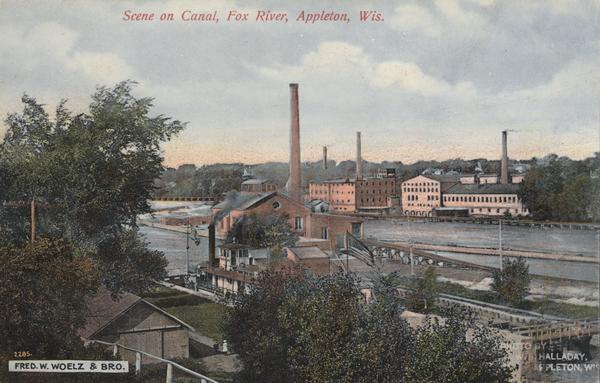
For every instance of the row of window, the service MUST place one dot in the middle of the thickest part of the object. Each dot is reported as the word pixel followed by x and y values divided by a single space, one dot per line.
pixel 420 190
pixel 421 183
pixel 413 197
pixel 496 199
pixel 378 191
pixel 421 204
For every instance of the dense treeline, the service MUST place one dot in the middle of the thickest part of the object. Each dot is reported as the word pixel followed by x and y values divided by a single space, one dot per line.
pixel 561 189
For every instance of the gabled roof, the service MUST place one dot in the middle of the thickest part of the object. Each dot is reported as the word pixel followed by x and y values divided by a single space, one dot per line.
pixel 309 252
pixel 242 200
pixel 484 189
pixel 103 310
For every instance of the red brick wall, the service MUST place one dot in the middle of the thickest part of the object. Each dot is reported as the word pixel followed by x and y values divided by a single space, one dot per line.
pixel 374 192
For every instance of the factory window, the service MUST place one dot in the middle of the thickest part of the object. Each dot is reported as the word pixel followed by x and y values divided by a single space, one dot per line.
pixel 324 233
pixel 276 205
pixel 299 223
pixel 497 210
pixel 489 210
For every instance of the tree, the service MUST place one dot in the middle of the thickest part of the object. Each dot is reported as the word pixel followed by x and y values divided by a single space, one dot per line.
pixel 574 201
pixel 512 283
pixel 299 327
pixel 456 349
pixel 422 298
pixel 260 231
pixel 252 328
pixel 43 293
pixel 92 174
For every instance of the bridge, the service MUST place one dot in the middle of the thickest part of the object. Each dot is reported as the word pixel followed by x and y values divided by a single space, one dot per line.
pixel 404 253
pixel 566 329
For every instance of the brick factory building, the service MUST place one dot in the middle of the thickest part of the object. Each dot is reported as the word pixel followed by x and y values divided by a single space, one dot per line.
pixel 339 194
pixel 486 199
pixel 321 227
pixel 421 195
pixel 350 196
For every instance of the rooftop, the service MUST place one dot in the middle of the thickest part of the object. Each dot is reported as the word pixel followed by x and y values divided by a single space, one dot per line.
pixel 242 200
pixel 257 181
pixel 104 310
pixel 484 189
pixel 310 252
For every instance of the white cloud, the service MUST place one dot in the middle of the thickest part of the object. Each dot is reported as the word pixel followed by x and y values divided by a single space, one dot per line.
pixel 52 42
pixel 345 63
pixel 415 18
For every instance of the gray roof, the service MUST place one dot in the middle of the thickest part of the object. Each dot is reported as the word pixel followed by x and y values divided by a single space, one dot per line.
pixel 242 200
pixel 445 177
pixel 484 189
pixel 312 252
pixel 337 181
pixel 104 310
pixel 257 181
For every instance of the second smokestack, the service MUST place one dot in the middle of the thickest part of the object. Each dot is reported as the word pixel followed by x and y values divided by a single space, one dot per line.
pixel 324 157
pixel 359 163
pixel 504 161
pixel 295 181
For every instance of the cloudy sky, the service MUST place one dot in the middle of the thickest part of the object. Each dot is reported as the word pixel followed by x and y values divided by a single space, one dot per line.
pixel 433 80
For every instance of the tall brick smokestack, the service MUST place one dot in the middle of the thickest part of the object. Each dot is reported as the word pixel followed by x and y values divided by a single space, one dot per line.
pixel 504 162
pixel 324 157
pixel 295 180
pixel 359 163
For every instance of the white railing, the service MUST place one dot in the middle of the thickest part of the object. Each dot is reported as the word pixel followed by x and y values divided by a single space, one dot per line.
pixel 138 362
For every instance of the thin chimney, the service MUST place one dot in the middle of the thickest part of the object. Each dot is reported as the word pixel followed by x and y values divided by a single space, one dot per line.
pixel 295 181
pixel 212 245
pixel 359 163
pixel 504 161
pixel 325 157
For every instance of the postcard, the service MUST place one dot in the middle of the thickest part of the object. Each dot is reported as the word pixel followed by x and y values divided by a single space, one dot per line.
pixel 282 191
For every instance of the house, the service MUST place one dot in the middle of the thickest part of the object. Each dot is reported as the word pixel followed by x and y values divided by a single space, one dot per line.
pixel 235 267
pixel 136 323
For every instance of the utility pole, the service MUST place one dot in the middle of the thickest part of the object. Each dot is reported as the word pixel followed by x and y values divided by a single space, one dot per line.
pixel 347 240
pixel 187 248
pixel 32 220
pixel 500 240
pixel 410 244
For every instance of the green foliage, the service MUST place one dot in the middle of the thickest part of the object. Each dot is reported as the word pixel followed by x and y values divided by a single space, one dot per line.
pixel 563 189
pixel 512 283
pixel 456 349
pixel 126 263
pixel 91 175
pixel 422 298
pixel 264 231
pixel 43 291
pixel 252 327
pixel 297 327
pixel 207 180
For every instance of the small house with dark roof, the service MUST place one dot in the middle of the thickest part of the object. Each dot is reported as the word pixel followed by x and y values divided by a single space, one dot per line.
pixel 136 323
